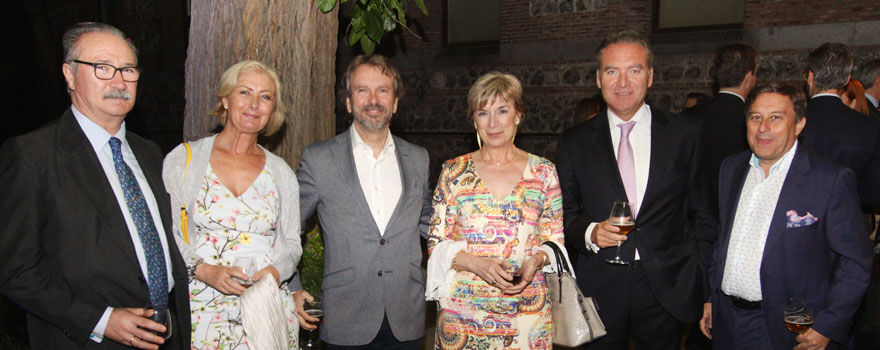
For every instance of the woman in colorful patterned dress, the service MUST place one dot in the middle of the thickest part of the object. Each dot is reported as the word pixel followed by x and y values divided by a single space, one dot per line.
pixel 493 210
pixel 242 202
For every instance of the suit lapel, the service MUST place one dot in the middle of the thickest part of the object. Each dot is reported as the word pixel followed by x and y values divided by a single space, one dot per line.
pixel 738 181
pixel 343 157
pixel 404 163
pixel 659 156
pixel 605 152
pixel 795 185
pixel 85 171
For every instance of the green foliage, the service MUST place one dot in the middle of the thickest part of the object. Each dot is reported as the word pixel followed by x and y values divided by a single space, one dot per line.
pixel 371 19
pixel 312 262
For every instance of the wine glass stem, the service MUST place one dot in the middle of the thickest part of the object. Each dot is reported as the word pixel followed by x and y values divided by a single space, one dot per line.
pixel 618 251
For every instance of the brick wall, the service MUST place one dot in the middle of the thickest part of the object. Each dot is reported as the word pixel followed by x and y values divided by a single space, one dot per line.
pixel 764 13
pixel 549 45
pixel 542 20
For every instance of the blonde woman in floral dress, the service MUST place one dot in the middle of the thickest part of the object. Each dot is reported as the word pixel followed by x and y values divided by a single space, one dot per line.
pixel 493 210
pixel 243 202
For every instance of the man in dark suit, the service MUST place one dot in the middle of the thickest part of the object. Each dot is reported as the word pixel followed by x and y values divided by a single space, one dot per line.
pixel 631 152
pixel 86 241
pixel 790 227
pixel 724 128
pixel 869 76
pixel 836 131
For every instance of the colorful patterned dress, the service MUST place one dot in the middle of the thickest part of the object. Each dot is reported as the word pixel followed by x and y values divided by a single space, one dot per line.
pixel 478 315
pixel 230 227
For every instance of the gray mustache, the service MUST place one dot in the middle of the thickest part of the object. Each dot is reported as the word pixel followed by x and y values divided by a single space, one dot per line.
pixel 125 95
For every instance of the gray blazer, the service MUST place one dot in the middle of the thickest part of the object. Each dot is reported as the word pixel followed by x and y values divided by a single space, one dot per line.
pixel 366 275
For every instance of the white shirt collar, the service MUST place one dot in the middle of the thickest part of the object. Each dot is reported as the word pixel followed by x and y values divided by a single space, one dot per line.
pixel 97 136
pixel 872 100
pixel 825 94
pixel 786 159
pixel 357 141
pixel 732 93
pixel 642 117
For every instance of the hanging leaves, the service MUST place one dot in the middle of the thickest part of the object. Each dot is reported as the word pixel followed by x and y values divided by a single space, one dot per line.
pixel 371 19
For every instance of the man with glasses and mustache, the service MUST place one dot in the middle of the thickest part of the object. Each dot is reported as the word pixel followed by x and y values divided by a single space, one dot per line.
pixel 371 194
pixel 87 246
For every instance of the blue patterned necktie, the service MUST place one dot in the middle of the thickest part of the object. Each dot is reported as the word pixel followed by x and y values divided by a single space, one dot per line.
pixel 143 220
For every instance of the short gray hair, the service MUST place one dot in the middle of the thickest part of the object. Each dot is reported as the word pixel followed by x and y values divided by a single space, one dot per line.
pixel 831 64
pixel 628 36
pixel 869 72
pixel 75 32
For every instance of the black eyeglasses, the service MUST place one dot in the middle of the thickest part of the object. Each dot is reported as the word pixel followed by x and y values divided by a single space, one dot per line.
pixel 105 71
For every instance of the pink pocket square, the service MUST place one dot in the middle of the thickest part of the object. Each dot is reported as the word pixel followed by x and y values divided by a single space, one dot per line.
pixel 795 220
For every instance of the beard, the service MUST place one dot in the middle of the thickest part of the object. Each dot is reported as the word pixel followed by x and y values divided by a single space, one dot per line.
pixel 372 123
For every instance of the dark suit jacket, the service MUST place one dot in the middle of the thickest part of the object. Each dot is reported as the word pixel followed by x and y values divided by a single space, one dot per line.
pixel 849 138
pixel 67 253
pixel 724 133
pixel 591 182
pixel 828 263
pixel 872 110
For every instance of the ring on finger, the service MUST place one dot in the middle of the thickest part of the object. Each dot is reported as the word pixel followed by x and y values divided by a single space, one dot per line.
pixel 131 341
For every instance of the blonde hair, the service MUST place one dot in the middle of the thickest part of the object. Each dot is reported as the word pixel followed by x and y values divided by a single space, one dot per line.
pixel 229 80
pixel 494 85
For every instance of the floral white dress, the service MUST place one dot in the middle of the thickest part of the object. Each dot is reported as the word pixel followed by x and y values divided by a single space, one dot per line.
pixel 230 227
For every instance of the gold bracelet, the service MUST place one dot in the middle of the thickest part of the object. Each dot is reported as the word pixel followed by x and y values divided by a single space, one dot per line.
pixel 454 264
pixel 543 260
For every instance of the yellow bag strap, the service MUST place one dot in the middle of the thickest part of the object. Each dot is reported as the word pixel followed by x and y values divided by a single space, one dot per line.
pixel 184 218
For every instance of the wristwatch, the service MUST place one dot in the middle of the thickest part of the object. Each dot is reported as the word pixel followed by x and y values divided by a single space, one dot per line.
pixel 191 269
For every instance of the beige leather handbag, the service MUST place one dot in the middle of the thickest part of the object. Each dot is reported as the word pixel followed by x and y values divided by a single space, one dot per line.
pixel 575 317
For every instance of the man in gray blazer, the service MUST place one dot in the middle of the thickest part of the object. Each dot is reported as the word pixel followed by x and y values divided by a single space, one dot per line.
pixel 370 190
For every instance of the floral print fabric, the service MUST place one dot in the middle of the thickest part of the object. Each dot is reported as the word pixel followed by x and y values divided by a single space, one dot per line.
pixel 230 227
pixel 478 315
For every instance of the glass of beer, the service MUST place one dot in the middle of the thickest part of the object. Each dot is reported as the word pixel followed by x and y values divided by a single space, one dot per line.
pixel 622 218
pixel 797 316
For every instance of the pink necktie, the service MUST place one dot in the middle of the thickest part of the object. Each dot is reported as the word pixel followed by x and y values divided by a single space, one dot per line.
pixel 625 163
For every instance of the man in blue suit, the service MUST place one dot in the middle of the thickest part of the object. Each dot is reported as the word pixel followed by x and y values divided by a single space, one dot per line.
pixel 789 227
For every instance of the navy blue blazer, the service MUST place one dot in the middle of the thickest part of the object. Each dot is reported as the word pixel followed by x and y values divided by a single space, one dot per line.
pixel 827 263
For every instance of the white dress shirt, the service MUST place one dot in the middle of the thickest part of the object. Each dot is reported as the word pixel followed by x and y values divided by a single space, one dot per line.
pixel 732 93
pixel 751 225
pixel 379 177
pixel 824 94
pixel 872 101
pixel 640 140
pixel 100 141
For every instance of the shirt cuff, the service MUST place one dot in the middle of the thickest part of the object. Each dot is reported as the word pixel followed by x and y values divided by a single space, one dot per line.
pixel 440 272
pixel 98 333
pixel 590 245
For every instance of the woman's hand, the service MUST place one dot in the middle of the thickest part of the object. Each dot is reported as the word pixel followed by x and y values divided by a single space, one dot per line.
pixel 220 278
pixel 493 271
pixel 529 269
pixel 267 270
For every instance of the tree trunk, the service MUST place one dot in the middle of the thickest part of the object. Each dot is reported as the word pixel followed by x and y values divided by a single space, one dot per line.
pixel 292 36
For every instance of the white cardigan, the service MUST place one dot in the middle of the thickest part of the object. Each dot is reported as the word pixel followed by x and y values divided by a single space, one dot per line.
pixel 287 249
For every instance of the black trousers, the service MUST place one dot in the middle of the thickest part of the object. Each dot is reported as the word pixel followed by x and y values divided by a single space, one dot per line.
pixel 646 322
pixel 384 340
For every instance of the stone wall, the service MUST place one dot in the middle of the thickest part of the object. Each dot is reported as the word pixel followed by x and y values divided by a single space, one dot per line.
pixel 549 45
